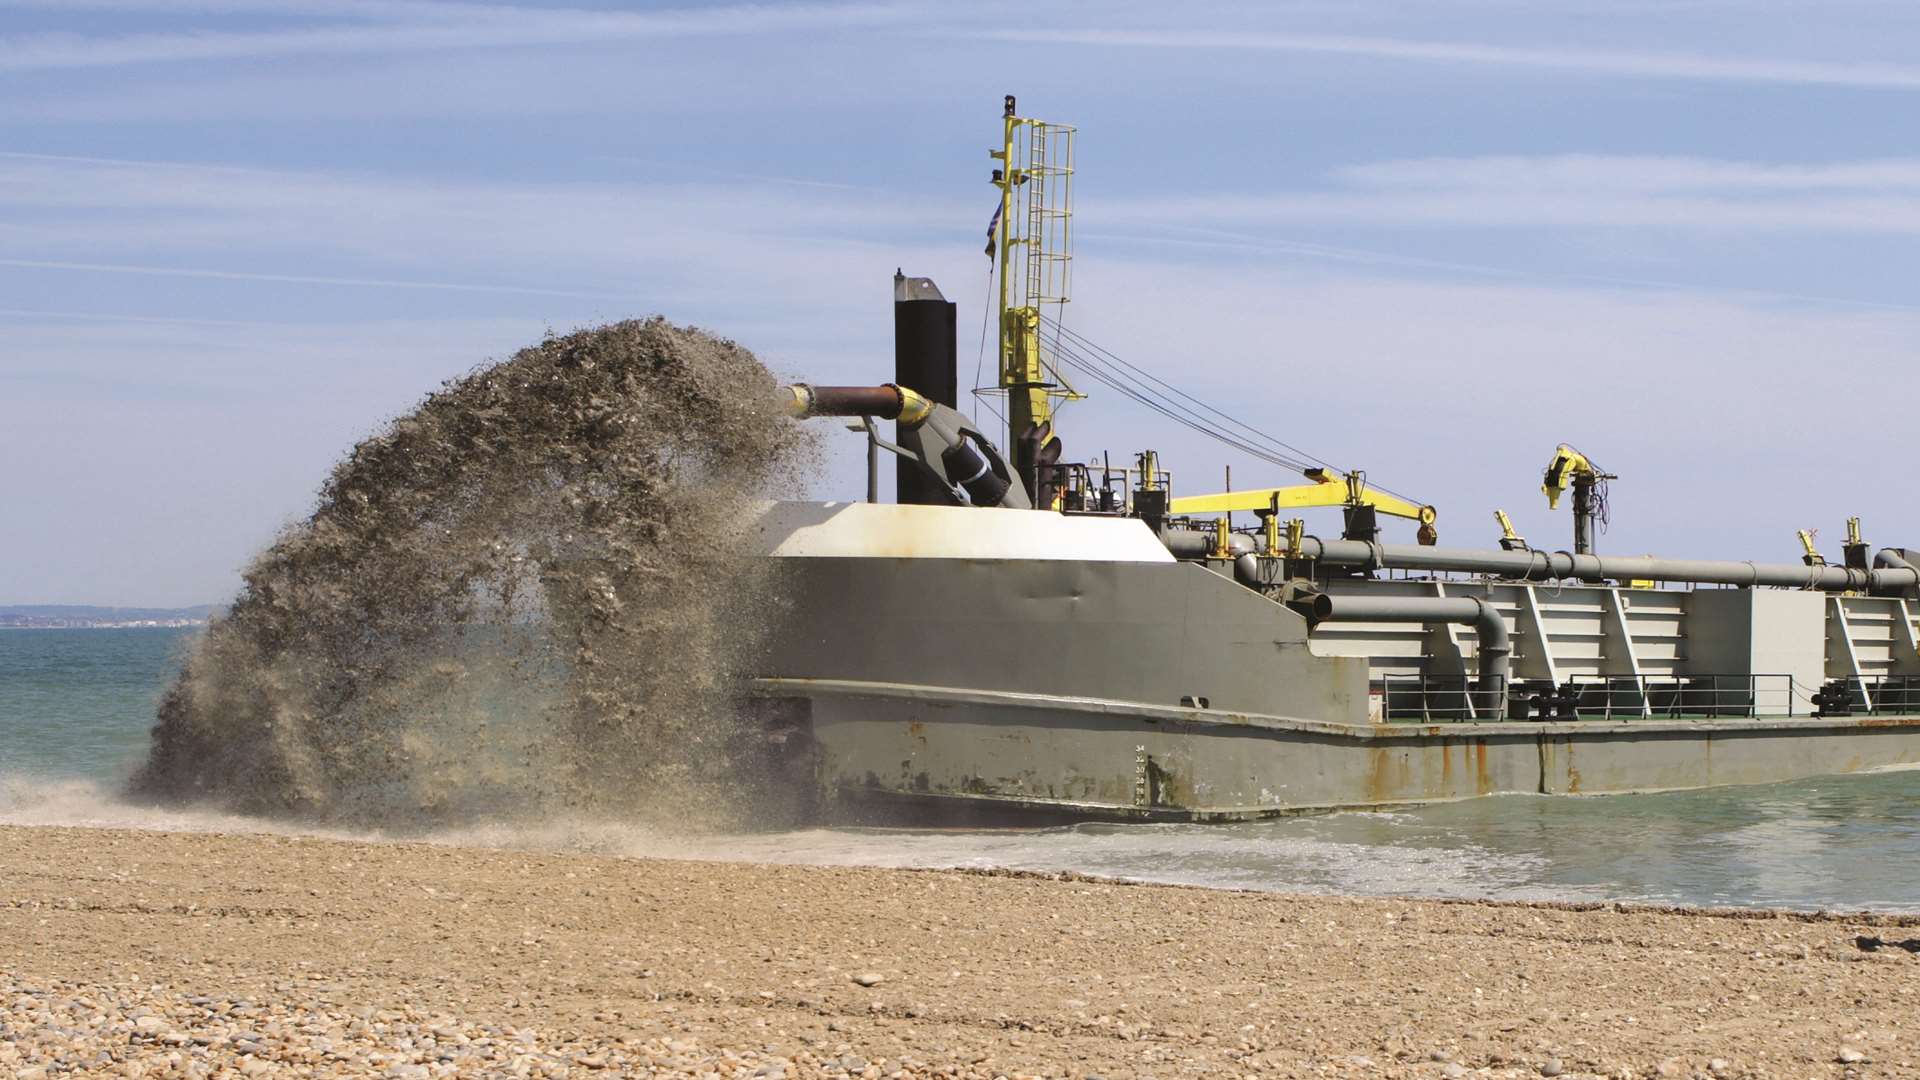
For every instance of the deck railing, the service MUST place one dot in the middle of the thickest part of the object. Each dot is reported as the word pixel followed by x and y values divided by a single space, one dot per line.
pixel 1886 694
pixel 1431 699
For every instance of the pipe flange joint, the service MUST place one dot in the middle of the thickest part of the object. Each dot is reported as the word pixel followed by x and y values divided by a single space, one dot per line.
pixel 914 409
pixel 1376 555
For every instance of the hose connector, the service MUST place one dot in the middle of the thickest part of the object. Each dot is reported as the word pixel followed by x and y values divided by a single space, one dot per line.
pixel 914 409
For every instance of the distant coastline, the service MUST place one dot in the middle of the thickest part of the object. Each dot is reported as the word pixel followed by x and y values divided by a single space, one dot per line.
pixel 93 617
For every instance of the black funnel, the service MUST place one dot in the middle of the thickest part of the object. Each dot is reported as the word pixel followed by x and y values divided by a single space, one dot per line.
pixel 925 359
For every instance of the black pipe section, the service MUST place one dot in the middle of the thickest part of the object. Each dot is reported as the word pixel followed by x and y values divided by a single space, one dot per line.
pixel 1583 484
pixel 925 357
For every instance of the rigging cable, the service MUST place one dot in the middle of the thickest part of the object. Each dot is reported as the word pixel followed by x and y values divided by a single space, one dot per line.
pixel 1112 370
pixel 1199 425
pixel 1246 428
pixel 1118 382
pixel 979 392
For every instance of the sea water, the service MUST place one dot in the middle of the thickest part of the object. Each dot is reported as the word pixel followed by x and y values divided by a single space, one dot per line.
pixel 76 707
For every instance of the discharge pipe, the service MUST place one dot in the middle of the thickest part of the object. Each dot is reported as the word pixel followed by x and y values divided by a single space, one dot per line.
pixel 941 440
pixel 1496 649
pixel 886 401
pixel 1893 575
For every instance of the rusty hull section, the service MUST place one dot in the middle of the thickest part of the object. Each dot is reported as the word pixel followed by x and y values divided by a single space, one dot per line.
pixel 1094 759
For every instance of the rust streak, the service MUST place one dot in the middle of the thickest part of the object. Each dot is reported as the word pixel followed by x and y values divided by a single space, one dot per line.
pixel 1884 721
pixel 1377 766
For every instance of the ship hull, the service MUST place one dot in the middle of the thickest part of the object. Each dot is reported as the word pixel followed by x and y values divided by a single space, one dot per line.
pixel 874 750
pixel 1030 664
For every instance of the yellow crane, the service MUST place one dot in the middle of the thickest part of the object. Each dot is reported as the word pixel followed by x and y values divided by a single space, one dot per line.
pixel 1855 549
pixel 1509 540
pixel 1812 556
pixel 1569 468
pixel 1329 488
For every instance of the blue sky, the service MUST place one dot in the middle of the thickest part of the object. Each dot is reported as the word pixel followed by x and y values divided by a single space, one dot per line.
pixel 1426 239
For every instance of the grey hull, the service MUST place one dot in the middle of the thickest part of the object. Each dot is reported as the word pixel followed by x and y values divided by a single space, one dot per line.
pixel 1093 759
pixel 1032 662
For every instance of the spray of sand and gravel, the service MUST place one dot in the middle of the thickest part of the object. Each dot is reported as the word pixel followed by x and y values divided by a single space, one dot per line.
pixel 522 598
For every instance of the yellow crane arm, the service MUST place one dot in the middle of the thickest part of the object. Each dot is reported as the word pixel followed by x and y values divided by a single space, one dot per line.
pixel 1507 535
pixel 1332 489
pixel 1566 464
pixel 1813 556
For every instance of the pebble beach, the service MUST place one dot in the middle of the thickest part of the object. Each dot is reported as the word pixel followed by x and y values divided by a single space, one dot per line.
pixel 132 953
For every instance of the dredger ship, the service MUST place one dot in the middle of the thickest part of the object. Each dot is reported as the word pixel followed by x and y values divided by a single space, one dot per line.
pixel 1020 634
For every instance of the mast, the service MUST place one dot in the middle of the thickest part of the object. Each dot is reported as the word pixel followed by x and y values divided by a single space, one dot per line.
pixel 1032 247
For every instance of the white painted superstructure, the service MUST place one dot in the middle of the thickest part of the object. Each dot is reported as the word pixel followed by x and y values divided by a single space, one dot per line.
pixel 894 531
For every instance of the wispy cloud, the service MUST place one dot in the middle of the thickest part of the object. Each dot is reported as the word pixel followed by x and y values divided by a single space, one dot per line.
pixel 687 243
pixel 1577 192
pixel 40 314
pixel 387 90
pixel 412 29
pixel 1297 251
pixel 1634 173
pixel 65 195
pixel 575 251
pixel 331 9
pixel 296 279
pixel 332 27
pixel 1624 63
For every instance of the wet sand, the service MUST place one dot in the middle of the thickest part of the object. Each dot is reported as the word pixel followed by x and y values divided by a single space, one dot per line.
pixel 141 953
